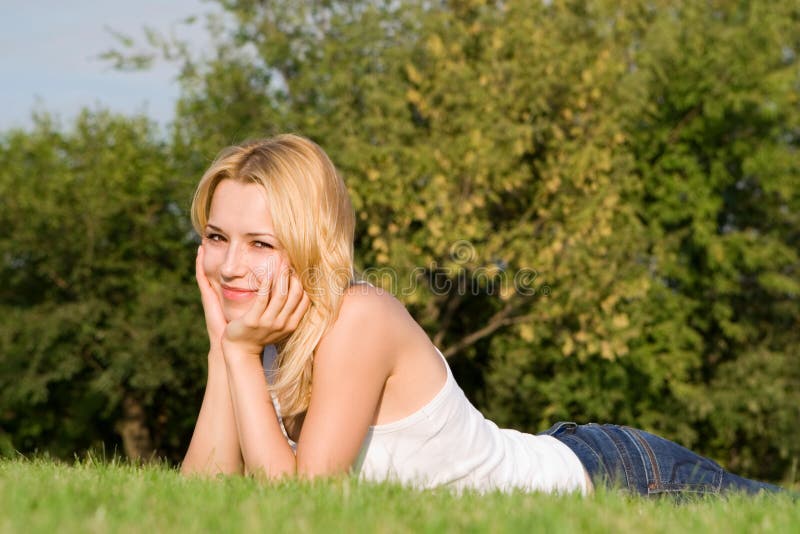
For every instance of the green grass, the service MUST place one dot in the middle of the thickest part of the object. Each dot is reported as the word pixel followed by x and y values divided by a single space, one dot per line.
pixel 93 496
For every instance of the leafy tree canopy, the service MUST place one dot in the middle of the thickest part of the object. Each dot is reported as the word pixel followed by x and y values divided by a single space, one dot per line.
pixel 592 207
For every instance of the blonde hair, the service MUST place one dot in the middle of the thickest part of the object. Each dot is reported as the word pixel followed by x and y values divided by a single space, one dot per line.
pixel 314 222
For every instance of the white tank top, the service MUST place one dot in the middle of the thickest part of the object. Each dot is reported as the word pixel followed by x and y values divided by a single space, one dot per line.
pixel 448 442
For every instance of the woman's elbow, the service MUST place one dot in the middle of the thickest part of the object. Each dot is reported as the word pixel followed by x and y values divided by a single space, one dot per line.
pixel 315 469
pixel 211 469
pixel 270 471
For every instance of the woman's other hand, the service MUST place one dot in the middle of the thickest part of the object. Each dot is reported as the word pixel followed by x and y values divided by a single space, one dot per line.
pixel 212 307
pixel 275 313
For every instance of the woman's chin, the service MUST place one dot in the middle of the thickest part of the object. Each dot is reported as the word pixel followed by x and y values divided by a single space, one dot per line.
pixel 233 312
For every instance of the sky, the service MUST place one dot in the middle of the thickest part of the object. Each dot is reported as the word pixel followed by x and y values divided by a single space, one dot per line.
pixel 49 49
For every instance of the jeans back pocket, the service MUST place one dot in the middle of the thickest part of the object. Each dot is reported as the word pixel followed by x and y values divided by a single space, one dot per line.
pixel 675 468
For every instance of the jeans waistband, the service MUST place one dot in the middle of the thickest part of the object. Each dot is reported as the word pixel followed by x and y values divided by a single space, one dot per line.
pixel 638 461
pixel 565 432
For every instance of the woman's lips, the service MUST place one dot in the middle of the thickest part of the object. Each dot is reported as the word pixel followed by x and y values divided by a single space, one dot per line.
pixel 234 293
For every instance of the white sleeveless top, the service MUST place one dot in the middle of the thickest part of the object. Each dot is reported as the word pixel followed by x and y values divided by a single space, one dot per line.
pixel 448 442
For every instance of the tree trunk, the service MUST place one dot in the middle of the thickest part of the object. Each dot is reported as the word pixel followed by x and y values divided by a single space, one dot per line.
pixel 136 439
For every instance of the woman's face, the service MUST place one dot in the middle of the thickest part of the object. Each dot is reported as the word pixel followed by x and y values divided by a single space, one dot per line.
pixel 239 245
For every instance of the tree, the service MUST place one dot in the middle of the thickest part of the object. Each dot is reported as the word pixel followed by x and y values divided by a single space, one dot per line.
pixel 716 147
pixel 591 207
pixel 102 336
pixel 600 148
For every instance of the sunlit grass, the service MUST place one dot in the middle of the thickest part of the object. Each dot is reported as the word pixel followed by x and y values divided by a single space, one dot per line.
pixel 114 496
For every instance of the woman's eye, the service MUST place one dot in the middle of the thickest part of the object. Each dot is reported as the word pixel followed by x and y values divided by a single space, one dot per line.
pixel 262 244
pixel 214 237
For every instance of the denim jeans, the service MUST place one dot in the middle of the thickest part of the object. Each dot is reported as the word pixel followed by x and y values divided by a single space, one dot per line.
pixel 643 463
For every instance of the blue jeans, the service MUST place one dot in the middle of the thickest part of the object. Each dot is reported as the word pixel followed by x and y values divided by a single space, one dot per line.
pixel 643 463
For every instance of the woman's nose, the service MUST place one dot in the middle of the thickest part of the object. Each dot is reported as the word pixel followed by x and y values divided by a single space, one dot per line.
pixel 234 264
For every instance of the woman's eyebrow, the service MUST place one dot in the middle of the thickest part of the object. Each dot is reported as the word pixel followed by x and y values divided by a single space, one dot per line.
pixel 249 234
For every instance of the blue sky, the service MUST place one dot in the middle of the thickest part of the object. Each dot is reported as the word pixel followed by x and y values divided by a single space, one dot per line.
pixel 49 49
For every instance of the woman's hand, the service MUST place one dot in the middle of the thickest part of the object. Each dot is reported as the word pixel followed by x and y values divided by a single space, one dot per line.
pixel 212 307
pixel 276 312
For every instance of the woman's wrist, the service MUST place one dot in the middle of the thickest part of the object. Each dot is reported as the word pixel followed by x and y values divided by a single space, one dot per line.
pixel 215 354
pixel 234 353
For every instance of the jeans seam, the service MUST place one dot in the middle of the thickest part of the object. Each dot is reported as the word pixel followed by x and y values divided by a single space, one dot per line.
pixel 626 463
pixel 651 455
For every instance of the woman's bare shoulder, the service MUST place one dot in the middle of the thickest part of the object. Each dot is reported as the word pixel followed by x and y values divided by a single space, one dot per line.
pixel 370 320
pixel 364 298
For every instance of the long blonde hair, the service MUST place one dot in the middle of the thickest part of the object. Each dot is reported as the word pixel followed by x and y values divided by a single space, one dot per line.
pixel 314 222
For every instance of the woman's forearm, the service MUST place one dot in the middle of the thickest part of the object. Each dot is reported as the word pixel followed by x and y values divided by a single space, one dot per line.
pixel 214 448
pixel 264 448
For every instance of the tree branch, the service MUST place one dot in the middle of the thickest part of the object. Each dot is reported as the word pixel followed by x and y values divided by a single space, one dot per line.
pixel 497 321
pixel 447 318
pixel 686 119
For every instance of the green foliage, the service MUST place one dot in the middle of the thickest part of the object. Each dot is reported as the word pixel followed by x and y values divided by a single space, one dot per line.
pixel 621 181
pixel 716 146
pixel 99 305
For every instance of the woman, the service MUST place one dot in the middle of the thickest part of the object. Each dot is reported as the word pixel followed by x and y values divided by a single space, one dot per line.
pixel 356 381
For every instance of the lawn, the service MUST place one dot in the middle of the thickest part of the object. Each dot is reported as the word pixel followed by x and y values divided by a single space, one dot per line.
pixel 94 496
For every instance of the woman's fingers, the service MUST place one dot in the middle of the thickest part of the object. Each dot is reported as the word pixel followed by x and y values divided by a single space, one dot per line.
pixel 206 291
pixel 199 272
pixel 276 311
pixel 299 311
pixel 293 299
pixel 263 296
pixel 286 295
pixel 215 318
pixel 280 292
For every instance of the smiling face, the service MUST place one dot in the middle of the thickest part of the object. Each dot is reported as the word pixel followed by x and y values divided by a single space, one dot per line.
pixel 300 191
pixel 239 245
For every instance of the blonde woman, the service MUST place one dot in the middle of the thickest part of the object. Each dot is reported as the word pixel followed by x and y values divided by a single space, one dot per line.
pixel 348 381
